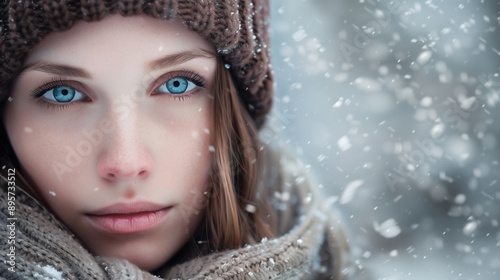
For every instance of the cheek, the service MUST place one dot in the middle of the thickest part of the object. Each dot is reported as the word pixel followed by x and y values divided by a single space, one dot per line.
pixel 186 136
pixel 190 154
pixel 192 208
pixel 42 151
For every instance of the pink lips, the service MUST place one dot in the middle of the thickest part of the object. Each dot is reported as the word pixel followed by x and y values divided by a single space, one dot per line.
pixel 124 218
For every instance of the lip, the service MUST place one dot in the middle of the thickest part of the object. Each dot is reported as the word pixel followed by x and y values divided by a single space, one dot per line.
pixel 127 218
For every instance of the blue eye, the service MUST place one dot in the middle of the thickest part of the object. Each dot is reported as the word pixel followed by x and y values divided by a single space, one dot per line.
pixel 63 94
pixel 177 85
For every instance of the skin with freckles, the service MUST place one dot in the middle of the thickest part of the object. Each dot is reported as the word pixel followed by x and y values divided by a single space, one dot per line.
pixel 112 119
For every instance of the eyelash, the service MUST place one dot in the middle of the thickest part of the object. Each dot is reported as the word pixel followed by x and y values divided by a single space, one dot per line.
pixel 38 93
pixel 52 84
pixel 195 78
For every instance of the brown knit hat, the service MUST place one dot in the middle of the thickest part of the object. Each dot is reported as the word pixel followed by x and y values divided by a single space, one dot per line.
pixel 237 29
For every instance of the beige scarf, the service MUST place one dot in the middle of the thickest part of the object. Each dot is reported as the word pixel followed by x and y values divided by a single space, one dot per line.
pixel 312 246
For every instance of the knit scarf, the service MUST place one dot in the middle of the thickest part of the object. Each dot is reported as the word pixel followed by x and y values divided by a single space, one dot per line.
pixel 36 245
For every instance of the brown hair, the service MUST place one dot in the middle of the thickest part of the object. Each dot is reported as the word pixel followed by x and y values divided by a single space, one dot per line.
pixel 233 216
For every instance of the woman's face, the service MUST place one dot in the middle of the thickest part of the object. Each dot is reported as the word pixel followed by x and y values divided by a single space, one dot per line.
pixel 111 120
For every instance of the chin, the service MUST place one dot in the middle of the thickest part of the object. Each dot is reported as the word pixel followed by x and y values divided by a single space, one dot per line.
pixel 146 264
pixel 144 255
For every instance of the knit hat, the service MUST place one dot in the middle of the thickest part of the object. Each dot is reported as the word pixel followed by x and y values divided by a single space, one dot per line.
pixel 238 30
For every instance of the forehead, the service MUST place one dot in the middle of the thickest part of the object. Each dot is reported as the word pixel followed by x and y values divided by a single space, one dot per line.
pixel 117 38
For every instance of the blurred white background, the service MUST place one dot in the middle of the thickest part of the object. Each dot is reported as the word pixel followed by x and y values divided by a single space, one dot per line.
pixel 393 105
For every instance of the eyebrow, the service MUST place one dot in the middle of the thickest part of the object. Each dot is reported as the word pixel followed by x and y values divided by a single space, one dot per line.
pixel 66 70
pixel 57 69
pixel 178 58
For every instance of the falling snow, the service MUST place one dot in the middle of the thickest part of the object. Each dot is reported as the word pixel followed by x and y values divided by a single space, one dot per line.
pixel 250 208
pixel 470 227
pixel 299 35
pixel 388 229
pixel 400 126
pixel 344 143
pixel 350 191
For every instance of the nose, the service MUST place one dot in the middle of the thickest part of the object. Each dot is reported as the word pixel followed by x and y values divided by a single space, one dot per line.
pixel 125 156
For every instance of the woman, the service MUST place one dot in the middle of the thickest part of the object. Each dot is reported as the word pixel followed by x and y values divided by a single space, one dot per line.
pixel 131 131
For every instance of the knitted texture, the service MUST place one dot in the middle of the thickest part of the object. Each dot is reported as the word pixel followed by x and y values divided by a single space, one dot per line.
pixel 289 257
pixel 238 30
pixel 38 238
pixel 46 250
pixel 311 245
